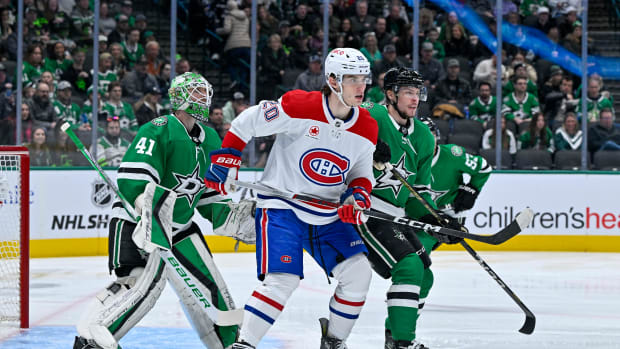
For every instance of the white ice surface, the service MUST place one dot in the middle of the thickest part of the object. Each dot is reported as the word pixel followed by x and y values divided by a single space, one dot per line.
pixel 575 296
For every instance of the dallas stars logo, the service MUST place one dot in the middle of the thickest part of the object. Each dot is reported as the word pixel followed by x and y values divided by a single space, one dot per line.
pixel 386 181
pixel 435 194
pixel 399 235
pixel 188 186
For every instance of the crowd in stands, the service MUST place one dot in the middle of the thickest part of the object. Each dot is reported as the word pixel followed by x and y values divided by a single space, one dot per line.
pixel 540 107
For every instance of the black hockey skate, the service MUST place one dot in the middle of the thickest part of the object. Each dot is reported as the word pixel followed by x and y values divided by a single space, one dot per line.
pixel 83 343
pixel 329 342
pixel 241 345
pixel 391 344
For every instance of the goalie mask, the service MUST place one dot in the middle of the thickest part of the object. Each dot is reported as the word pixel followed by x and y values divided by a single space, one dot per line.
pixel 191 93
pixel 346 61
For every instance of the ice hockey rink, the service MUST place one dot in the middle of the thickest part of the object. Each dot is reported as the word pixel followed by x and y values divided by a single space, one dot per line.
pixel 575 296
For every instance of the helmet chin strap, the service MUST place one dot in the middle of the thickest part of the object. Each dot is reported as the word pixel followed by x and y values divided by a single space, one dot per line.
pixel 339 94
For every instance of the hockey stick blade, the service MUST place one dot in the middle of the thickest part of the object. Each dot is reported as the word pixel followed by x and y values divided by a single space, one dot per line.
pixel 219 317
pixel 514 228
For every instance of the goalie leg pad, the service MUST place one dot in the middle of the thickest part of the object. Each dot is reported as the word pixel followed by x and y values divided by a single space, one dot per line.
pixel 190 249
pixel 154 230
pixel 120 306
pixel 389 243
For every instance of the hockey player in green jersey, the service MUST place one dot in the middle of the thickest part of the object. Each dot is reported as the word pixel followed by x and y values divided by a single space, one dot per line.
pixel 169 154
pixel 457 176
pixel 396 251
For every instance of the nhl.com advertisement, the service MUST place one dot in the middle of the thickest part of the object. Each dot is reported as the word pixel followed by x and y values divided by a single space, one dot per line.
pixel 77 203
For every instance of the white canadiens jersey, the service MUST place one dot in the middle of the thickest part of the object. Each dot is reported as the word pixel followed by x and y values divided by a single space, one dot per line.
pixel 314 153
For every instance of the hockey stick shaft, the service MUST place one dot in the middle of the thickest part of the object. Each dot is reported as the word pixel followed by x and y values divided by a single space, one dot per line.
pixel 220 317
pixel 429 228
pixel 530 318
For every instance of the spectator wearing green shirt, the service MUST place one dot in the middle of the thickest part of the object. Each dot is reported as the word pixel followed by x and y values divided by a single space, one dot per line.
pixel 371 49
pixel 483 107
pixel 376 94
pixel 520 105
pixel 65 109
pixel 117 107
pixel 132 49
pixel 538 136
pixel 596 101
pixel 32 66
pixel 57 63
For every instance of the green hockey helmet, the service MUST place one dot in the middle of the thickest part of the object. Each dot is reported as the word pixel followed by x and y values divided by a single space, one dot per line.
pixel 191 93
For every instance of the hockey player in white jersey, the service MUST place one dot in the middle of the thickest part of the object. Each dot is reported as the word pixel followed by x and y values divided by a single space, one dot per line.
pixel 324 145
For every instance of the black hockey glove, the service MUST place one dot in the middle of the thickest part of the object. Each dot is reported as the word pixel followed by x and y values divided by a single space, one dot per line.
pixel 465 198
pixel 381 155
pixel 447 222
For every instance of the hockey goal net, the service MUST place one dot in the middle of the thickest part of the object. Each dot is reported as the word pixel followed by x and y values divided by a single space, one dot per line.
pixel 14 236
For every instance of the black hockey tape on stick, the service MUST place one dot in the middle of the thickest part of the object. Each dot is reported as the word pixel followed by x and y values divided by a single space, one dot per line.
pixel 530 318
pixel 219 317
pixel 514 228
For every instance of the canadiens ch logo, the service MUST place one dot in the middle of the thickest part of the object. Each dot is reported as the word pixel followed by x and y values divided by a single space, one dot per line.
pixel 324 167
pixel 102 194
pixel 286 259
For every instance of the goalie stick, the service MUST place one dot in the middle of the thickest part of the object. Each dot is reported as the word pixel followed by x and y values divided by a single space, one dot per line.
pixel 530 318
pixel 514 228
pixel 219 317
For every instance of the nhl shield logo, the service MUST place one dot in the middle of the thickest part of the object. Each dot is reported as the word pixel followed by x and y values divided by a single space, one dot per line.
pixel 102 195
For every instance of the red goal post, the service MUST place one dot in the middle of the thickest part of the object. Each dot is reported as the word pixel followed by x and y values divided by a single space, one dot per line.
pixel 14 236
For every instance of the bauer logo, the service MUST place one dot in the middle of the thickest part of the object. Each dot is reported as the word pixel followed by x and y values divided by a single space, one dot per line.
pixel 324 167
pixel 102 194
pixel 286 259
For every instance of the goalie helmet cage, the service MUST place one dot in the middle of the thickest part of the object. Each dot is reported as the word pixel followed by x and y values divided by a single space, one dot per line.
pixel 14 236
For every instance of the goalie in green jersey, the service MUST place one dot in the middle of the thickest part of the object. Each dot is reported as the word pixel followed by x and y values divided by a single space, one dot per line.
pixel 457 176
pixel 397 251
pixel 162 175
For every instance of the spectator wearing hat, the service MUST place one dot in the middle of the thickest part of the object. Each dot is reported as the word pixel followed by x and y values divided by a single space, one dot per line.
pixel 106 23
pixel 77 75
pixel 237 48
pixel 41 107
pixel 137 81
pixel 370 49
pixel 111 147
pixel 565 22
pixel 288 41
pixel 86 113
pixel 529 8
pixel 83 21
pixel 127 10
pixel 234 107
pixel 148 107
pixel 541 21
pixel 486 71
pixel 120 33
pixel 132 49
pixel 312 79
pixel 552 85
pixel 520 70
pixel 117 107
pixel 430 68
pixel 271 64
pixel 572 41
pixel 389 61
pixel 452 89
pixel 64 108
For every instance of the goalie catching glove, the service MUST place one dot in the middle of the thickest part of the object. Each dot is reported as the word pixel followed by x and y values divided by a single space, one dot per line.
pixel 465 198
pixel 224 167
pixel 447 222
pixel 352 202
pixel 240 223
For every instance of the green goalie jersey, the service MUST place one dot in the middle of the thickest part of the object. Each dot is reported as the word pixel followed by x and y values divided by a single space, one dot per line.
pixel 163 152
pixel 450 164
pixel 411 156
